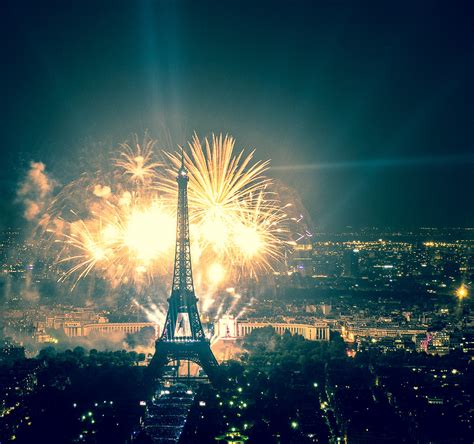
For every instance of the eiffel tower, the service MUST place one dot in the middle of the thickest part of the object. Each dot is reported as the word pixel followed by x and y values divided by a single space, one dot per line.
pixel 183 337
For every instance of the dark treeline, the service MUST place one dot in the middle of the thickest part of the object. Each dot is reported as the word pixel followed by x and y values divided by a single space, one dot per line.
pixel 282 389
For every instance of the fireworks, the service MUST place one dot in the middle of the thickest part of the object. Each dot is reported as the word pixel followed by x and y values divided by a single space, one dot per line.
pixel 215 273
pixel 121 223
pixel 137 160
pixel 236 222
pixel 113 222
pixel 258 233
pixel 90 250
pixel 219 180
pixel 123 241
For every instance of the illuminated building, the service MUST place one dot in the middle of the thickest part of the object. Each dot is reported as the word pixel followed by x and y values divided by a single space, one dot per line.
pixel 351 332
pixel 326 309
pixel 439 344
pixel 74 328
pixel 228 327
pixel 350 264
pixel 44 338
pixel 467 344
pixel 302 259
pixel 233 437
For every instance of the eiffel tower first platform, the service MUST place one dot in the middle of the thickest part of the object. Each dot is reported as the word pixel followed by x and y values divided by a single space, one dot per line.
pixel 183 337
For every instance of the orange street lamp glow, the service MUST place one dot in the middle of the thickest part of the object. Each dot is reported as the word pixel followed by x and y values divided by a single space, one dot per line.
pixel 462 292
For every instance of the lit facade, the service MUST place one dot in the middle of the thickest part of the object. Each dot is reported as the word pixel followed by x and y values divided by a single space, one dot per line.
pixel 350 333
pixel 74 328
pixel 228 327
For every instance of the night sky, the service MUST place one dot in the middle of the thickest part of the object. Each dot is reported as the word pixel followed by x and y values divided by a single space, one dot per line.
pixel 365 107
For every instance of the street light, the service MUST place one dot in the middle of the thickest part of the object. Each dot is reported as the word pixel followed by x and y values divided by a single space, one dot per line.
pixel 461 292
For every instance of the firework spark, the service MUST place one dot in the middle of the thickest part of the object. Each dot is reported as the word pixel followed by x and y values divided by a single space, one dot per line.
pixel 234 218
pixel 137 161
pixel 124 242
pixel 121 223
pixel 114 222
pixel 218 178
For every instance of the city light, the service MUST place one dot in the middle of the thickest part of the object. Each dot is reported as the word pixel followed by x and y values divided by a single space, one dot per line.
pixel 462 292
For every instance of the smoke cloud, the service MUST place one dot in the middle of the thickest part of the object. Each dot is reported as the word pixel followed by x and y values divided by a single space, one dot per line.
pixel 35 191
pixel 102 191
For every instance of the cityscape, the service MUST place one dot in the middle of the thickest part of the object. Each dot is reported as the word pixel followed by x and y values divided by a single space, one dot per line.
pixel 169 274
pixel 385 317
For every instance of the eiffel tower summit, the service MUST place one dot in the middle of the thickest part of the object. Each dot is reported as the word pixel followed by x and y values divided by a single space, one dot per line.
pixel 183 337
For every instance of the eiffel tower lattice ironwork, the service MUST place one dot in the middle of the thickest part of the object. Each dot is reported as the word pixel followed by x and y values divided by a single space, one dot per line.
pixel 183 337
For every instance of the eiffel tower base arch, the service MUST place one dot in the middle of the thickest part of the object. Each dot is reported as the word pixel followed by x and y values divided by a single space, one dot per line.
pixel 198 352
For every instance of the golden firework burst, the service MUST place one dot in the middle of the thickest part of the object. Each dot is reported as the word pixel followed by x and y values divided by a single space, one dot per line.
pixel 122 223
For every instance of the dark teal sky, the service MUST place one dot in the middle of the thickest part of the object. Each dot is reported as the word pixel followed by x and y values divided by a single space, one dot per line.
pixel 365 107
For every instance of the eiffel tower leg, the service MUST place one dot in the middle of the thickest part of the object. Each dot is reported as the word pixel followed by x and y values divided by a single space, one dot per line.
pixel 208 362
pixel 199 353
pixel 155 369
